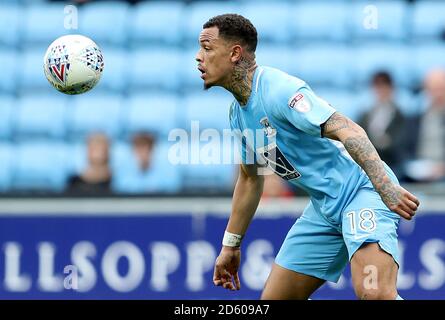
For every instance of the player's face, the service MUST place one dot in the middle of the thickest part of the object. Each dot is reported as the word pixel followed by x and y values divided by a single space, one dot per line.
pixel 214 58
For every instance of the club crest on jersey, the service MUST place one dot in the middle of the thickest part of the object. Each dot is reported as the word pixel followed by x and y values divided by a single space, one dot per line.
pixel 268 129
pixel 299 102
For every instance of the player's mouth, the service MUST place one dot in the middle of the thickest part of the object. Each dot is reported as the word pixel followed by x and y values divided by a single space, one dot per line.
pixel 203 73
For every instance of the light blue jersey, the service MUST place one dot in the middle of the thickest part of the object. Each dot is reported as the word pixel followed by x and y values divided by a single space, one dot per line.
pixel 286 107
pixel 289 115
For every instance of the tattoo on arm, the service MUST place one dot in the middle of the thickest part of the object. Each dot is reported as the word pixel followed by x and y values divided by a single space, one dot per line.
pixel 357 144
pixel 335 123
pixel 364 153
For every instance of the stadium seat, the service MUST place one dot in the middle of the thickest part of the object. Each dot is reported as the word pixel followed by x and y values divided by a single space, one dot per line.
pixel 7 107
pixel 344 101
pixel 207 170
pixel 7 160
pixel 114 77
pixel 40 116
pixel 162 177
pixel 43 23
pixel 319 21
pixel 104 22
pixel 199 12
pixel 77 157
pixel 428 20
pixel 155 68
pixel 156 22
pixel 281 57
pixel 190 75
pixel 271 20
pixel 10 23
pixel 40 166
pixel 9 59
pixel 324 65
pixel 210 109
pixel 426 58
pixel 31 75
pixel 95 113
pixel 379 20
pixel 395 59
pixel 156 113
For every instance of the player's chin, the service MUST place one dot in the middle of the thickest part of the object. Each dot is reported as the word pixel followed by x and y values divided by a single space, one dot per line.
pixel 208 85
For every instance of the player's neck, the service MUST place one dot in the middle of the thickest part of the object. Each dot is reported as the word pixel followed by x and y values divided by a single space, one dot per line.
pixel 240 82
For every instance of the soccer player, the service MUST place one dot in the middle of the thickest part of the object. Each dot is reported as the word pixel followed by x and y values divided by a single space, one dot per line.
pixel 355 198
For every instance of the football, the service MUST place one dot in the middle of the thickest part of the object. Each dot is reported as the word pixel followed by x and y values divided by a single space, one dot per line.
pixel 73 64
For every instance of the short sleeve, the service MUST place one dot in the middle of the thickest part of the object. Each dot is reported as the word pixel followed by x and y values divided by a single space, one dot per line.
pixel 303 109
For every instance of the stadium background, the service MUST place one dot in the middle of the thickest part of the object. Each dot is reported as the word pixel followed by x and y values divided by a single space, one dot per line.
pixel 155 235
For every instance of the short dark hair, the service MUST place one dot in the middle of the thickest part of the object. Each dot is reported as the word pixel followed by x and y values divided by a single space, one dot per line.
pixel 235 27
pixel 382 78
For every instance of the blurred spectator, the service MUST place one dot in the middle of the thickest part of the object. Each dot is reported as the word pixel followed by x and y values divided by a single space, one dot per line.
pixel 96 177
pixel 428 131
pixel 143 150
pixel 145 168
pixel 385 124
pixel 276 187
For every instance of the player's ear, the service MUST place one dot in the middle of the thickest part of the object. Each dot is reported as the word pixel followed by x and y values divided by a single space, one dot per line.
pixel 237 53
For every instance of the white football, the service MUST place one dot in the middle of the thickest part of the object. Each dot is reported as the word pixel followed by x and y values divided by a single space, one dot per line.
pixel 73 64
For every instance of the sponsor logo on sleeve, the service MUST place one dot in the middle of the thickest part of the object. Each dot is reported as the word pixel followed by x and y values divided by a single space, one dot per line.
pixel 299 102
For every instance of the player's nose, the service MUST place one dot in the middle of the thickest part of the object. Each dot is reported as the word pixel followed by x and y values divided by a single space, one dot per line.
pixel 198 56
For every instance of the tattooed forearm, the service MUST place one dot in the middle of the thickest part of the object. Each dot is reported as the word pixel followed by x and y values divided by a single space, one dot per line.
pixel 364 153
pixel 336 123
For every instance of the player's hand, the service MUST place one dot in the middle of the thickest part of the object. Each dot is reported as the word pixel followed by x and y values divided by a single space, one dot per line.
pixel 226 268
pixel 400 201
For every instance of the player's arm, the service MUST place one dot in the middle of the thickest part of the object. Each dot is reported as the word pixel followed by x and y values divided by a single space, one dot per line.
pixel 246 197
pixel 357 143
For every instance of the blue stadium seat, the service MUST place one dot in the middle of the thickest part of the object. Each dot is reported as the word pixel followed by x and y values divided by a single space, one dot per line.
pixel 271 20
pixel 95 113
pixel 155 68
pixel 9 59
pixel 7 160
pixel 10 25
pixel 210 108
pixel 156 113
pixel 40 166
pixel 114 76
pixel 319 20
pixel 40 116
pixel 31 76
pixel 159 22
pixel 280 57
pixel 7 106
pixel 104 22
pixel 190 75
pixel 428 20
pixel 77 157
pixel 162 177
pixel 395 59
pixel 426 58
pixel 344 101
pixel 324 65
pixel 43 23
pixel 199 12
pixel 209 172
pixel 379 20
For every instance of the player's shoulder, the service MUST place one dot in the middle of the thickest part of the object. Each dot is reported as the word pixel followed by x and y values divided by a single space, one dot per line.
pixel 274 78
pixel 276 86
